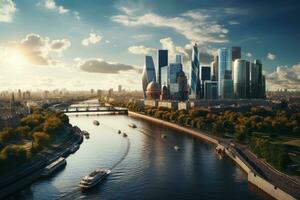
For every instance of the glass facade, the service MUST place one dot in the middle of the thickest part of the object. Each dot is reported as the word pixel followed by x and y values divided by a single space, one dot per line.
pixel 194 73
pixel 162 62
pixel 165 76
pixel 224 72
pixel 210 89
pixel 236 53
pixel 205 73
pixel 241 79
pixel 178 58
pixel 148 73
pixel 174 69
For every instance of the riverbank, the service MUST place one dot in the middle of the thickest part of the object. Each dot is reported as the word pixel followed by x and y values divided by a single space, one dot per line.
pixel 267 179
pixel 29 172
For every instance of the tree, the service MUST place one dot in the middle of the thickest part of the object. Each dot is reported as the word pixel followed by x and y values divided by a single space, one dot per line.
pixel 52 125
pixel 41 139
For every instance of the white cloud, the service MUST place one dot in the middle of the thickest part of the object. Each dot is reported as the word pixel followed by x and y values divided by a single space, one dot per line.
pixel 77 15
pixel 142 37
pixel 284 77
pixel 141 50
pixel 7 9
pixel 271 56
pixel 92 39
pixel 38 49
pixel 51 5
pixel 195 25
pixel 233 22
pixel 249 54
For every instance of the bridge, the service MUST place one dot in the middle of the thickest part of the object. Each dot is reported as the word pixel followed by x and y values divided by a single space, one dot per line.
pixel 95 108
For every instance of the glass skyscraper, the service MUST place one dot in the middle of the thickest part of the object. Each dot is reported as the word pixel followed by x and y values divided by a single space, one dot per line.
pixel 225 82
pixel 148 73
pixel 165 76
pixel 241 79
pixel 194 73
pixel 178 58
pixel 162 56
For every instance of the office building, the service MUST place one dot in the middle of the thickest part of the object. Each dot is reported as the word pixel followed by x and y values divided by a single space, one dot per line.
pixel 257 89
pixel 210 89
pixel 236 53
pixel 241 79
pixel 178 58
pixel 162 56
pixel 182 86
pixel 165 76
pixel 119 88
pixel 205 73
pixel 214 68
pixel 174 69
pixel 224 74
pixel 148 74
pixel 194 73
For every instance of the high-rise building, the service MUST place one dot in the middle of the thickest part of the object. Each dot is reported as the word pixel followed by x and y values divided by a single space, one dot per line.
pixel 236 53
pixel 214 68
pixel 92 92
pixel 263 87
pixel 178 58
pixel 165 76
pixel 162 61
pixel 19 94
pixel 183 91
pixel 148 74
pixel 241 79
pixel 257 92
pixel 194 73
pixel 174 69
pixel 210 89
pixel 119 88
pixel 205 73
pixel 225 82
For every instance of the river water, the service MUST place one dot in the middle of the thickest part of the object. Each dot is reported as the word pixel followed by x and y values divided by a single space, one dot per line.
pixel 145 166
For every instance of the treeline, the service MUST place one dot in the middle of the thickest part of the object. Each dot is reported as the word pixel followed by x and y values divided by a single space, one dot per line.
pixel 35 132
pixel 247 127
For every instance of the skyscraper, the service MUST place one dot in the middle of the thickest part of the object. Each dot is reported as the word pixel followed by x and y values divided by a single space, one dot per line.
pixel 214 68
pixel 162 61
pixel 165 76
pixel 241 79
pixel 205 73
pixel 148 74
pixel 225 82
pixel 194 73
pixel 210 89
pixel 254 82
pixel 258 91
pixel 182 86
pixel 236 53
pixel 178 58
pixel 119 88
pixel 174 69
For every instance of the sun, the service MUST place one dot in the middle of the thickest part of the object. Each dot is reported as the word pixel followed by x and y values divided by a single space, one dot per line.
pixel 15 57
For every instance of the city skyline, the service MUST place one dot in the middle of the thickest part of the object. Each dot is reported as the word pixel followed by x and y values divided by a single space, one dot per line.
pixel 102 47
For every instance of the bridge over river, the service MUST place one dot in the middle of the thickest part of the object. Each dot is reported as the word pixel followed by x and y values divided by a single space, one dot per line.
pixel 94 108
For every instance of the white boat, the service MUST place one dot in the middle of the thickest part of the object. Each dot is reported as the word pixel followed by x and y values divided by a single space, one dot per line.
pixel 93 178
pixel 74 148
pixel 132 125
pixel 177 148
pixel 55 165
pixel 96 122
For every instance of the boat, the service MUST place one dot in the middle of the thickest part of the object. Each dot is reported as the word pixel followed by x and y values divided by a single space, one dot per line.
pixel 119 132
pixel 124 135
pixel 74 148
pixel 132 125
pixel 87 137
pixel 96 122
pixel 177 148
pixel 163 136
pixel 93 178
pixel 54 166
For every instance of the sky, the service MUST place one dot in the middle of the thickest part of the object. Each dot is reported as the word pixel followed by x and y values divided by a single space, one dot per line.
pixel 100 44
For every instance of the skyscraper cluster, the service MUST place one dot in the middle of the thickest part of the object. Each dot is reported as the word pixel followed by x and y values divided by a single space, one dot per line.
pixel 227 77
pixel 171 79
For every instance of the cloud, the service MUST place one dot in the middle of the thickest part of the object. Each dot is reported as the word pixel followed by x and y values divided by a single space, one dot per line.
pixel 249 54
pixel 142 37
pixel 7 9
pixel 77 15
pixel 194 25
pixel 51 5
pixel 92 39
pixel 233 22
pixel 95 65
pixel 271 56
pixel 141 50
pixel 284 77
pixel 37 49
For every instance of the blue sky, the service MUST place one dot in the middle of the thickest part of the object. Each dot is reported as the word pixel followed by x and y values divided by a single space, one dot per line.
pixel 82 44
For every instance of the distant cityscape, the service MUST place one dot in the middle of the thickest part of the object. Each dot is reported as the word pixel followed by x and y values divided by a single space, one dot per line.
pixel 228 77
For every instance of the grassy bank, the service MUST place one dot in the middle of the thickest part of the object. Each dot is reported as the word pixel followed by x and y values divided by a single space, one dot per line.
pixel 35 132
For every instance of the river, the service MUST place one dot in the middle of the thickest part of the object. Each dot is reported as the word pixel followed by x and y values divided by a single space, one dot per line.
pixel 146 166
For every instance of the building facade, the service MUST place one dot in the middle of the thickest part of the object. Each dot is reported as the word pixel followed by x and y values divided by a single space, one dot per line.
pixel 225 87
pixel 241 79
pixel 194 73
pixel 148 74
pixel 162 61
